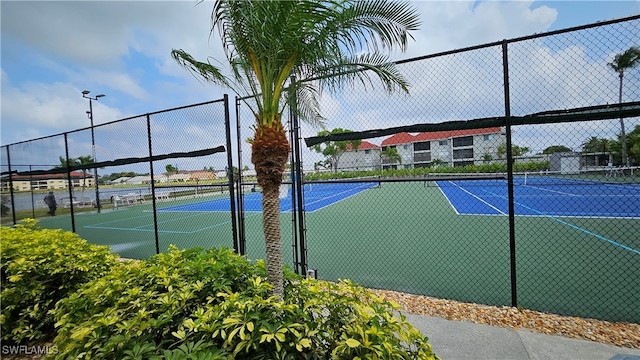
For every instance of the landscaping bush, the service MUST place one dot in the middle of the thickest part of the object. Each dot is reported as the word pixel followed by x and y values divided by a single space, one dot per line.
pixel 500 167
pixel 214 304
pixel 40 267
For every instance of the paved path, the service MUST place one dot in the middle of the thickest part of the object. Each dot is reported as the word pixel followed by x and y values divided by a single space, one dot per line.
pixel 461 340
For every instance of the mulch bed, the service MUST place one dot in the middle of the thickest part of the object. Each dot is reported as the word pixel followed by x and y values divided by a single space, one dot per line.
pixel 613 333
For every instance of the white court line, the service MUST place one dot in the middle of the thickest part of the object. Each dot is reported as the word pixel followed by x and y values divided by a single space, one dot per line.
pixel 553 191
pixel 478 198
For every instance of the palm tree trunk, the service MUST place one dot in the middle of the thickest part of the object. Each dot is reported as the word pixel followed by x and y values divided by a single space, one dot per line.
pixel 272 236
pixel 623 135
pixel 269 154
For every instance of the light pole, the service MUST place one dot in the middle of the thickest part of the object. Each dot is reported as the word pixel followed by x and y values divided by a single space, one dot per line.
pixel 85 94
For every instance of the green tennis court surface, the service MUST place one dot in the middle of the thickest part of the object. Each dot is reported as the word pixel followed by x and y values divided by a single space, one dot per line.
pixel 408 237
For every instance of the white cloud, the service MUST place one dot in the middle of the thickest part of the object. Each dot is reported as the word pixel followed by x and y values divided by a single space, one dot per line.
pixel 39 108
pixel 450 25
pixel 92 44
pixel 120 81
pixel 102 32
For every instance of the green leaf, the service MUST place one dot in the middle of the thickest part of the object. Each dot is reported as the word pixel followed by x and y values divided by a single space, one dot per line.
pixel 81 333
pixel 180 334
pixel 352 343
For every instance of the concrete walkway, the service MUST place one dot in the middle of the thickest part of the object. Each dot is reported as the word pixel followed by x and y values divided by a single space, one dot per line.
pixel 461 340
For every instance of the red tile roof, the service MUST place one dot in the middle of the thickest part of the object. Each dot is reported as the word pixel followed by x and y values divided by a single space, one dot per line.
pixel 364 145
pixel 399 138
pixel 439 135
pixel 406 138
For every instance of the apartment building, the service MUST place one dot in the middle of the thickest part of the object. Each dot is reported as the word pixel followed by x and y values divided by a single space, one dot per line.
pixel 365 157
pixel 47 181
pixel 452 148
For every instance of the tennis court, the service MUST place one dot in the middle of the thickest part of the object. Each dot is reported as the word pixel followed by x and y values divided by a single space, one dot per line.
pixel 441 240
pixel 317 196
pixel 545 196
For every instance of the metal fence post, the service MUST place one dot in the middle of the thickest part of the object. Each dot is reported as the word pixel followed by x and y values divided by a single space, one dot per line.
pixel 299 189
pixel 512 232
pixel 227 126
pixel 153 187
pixel 69 182
pixel 242 239
pixel 294 217
pixel 33 207
pixel 13 204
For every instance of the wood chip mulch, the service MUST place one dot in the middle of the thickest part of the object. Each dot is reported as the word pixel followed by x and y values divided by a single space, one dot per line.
pixel 613 333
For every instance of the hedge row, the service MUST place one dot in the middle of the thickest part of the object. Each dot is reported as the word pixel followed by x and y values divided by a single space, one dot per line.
pixel 187 304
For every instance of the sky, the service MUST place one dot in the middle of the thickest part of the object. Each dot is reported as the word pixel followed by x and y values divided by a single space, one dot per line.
pixel 53 50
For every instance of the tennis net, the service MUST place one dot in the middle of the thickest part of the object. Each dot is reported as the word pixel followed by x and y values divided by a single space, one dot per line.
pixel 582 177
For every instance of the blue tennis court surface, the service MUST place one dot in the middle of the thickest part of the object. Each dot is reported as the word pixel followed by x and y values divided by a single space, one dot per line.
pixel 489 197
pixel 316 196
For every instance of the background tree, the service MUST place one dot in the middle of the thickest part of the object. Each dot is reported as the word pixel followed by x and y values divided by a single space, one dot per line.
pixel 333 150
pixel 267 43
pixel 171 169
pixel 324 164
pixel 84 160
pixel 626 60
pixel 595 144
pixel 633 143
pixel 556 149
pixel 515 150
pixel 437 162
pixel 391 155
pixel 64 163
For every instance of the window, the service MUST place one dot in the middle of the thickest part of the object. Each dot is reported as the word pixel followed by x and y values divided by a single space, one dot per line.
pixel 463 141
pixel 488 137
pixel 443 142
pixel 419 146
pixel 422 157
pixel 463 154
pixel 368 151
pixel 406 147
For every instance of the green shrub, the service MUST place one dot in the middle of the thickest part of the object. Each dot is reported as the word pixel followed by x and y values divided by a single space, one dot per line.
pixel 214 304
pixel 40 267
pixel 496 167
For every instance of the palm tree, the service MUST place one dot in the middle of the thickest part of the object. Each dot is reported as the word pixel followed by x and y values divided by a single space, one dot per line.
pixel 85 160
pixel 626 60
pixel 64 163
pixel 324 44
pixel 595 144
pixel 391 155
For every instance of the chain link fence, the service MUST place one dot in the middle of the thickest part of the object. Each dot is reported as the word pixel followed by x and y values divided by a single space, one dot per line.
pixel 451 211
pixel 147 167
pixel 499 180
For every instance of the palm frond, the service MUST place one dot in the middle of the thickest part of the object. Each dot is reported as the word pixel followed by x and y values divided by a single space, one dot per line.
pixel 339 42
pixel 206 71
pixel 363 68
pixel 307 104
pixel 626 60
